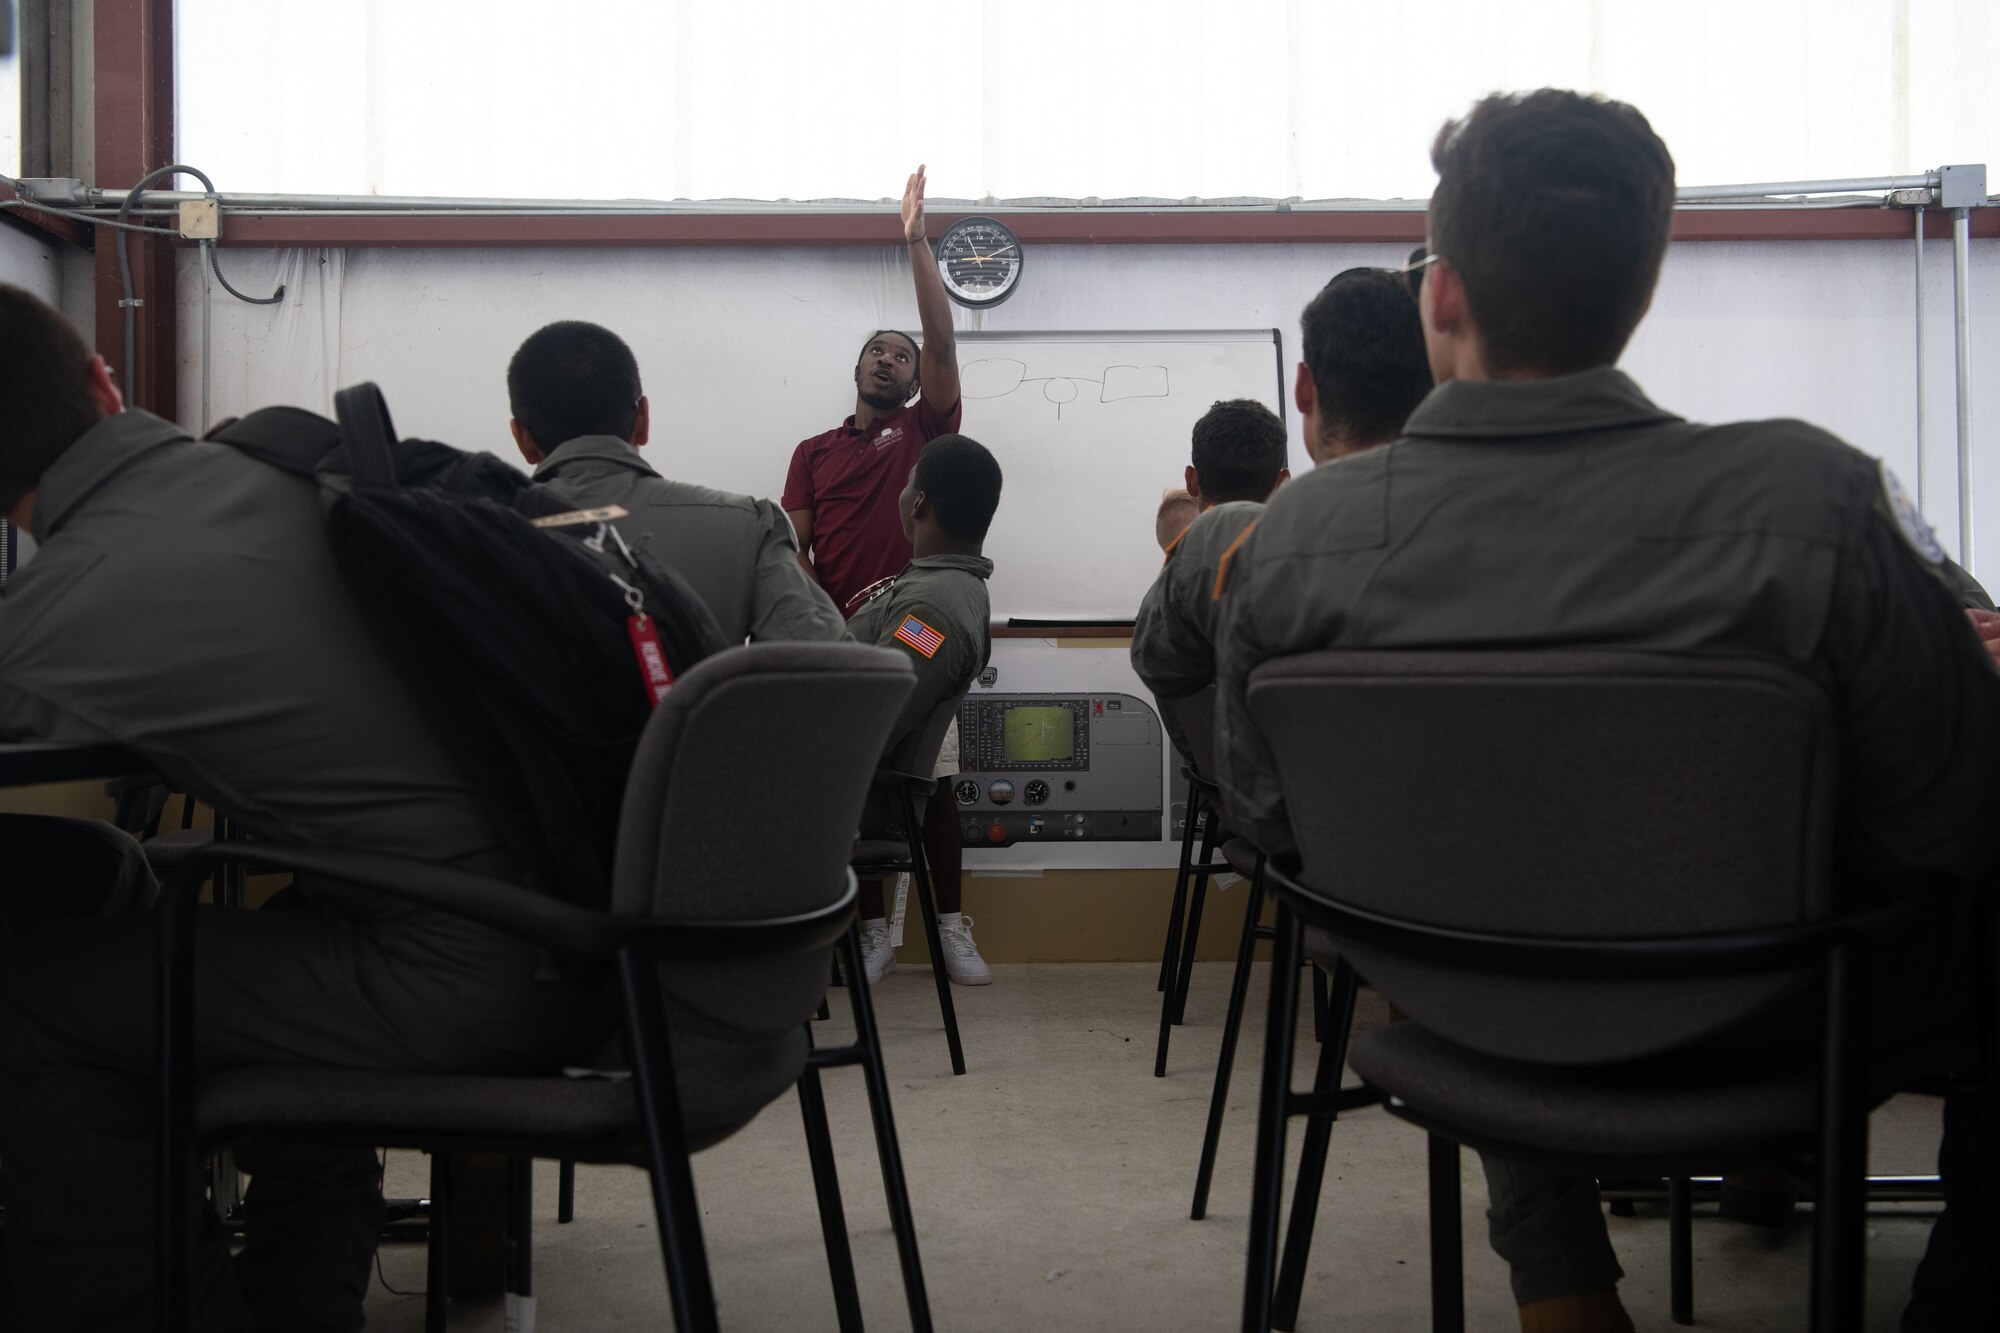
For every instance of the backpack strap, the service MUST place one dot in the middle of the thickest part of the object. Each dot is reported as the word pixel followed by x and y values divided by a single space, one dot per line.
pixel 290 439
pixel 365 426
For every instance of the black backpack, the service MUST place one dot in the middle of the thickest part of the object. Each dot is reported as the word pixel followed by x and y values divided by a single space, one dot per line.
pixel 536 640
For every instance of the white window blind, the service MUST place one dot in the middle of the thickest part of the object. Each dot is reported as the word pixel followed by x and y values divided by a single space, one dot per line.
pixel 1013 99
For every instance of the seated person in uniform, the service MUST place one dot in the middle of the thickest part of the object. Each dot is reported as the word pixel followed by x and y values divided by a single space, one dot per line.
pixel 1239 459
pixel 184 602
pixel 1364 370
pixel 1177 510
pixel 936 611
pixel 1538 498
pixel 580 419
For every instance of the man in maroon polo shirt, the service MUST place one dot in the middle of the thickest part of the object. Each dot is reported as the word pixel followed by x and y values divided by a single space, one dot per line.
pixel 841 494
pixel 842 488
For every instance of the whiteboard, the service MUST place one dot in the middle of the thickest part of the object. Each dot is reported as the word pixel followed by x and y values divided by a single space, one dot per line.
pixel 1089 428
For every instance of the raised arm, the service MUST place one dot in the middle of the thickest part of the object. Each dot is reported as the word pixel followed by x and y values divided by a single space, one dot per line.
pixel 937 367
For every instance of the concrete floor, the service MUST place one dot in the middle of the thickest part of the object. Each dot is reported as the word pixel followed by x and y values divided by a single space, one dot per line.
pixel 1051 1187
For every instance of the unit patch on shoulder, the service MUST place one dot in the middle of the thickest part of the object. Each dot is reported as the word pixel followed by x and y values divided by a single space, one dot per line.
pixel 919 636
pixel 1910 519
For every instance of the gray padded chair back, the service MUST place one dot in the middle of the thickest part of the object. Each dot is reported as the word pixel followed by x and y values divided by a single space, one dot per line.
pixel 1191 722
pixel 743 803
pixel 1581 794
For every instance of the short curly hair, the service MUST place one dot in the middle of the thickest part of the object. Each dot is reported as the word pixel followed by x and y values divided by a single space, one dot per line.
pixel 1239 450
pixel 1554 209
pixel 961 479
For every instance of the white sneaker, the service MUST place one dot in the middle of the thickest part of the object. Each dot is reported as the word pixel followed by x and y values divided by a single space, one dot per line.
pixel 878 960
pixel 962 962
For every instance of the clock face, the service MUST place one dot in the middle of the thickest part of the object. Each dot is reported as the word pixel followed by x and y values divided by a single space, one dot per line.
pixel 980 261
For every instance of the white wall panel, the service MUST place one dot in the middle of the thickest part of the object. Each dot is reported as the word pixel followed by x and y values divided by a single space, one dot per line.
pixel 747 351
pixel 29 262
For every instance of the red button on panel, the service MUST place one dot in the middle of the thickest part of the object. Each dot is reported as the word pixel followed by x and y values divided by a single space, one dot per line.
pixel 998 832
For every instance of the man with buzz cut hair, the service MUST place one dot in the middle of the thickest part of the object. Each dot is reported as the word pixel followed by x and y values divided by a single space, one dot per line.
pixel 936 612
pixel 1238 461
pixel 580 419
pixel 1538 499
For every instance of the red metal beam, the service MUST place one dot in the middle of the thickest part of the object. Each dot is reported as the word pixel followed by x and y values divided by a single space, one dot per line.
pixel 133 89
pixel 1056 227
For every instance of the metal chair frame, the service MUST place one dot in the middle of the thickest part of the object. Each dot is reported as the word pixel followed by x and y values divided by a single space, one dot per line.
pixel 634 947
pixel 1838 945
pixel 905 789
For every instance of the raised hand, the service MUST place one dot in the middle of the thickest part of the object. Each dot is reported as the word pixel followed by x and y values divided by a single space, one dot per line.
pixel 913 207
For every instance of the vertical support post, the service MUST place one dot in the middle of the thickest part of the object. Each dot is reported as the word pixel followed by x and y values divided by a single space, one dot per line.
pixel 133 91
pixel 1918 211
pixel 1961 290
pixel 203 253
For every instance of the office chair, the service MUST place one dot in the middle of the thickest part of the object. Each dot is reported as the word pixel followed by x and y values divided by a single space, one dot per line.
pixel 900 788
pixel 718 932
pixel 1579 873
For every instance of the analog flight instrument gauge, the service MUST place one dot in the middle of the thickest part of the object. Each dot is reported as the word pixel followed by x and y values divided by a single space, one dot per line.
pixel 967 791
pixel 980 262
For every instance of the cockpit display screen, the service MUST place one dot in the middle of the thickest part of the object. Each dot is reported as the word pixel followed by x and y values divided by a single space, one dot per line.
pixel 1036 734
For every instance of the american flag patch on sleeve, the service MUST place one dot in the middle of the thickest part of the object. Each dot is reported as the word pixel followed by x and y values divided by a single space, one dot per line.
pixel 919 636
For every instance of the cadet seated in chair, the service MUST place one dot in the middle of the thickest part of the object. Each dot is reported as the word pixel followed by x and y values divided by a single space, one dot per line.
pixel 1538 498
pixel 185 602
pixel 937 612
pixel 1364 370
pixel 580 419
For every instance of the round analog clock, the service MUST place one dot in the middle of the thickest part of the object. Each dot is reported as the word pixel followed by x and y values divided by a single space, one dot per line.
pixel 980 261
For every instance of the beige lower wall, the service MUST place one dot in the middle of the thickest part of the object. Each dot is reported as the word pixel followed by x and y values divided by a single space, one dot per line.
pixel 72 800
pixel 1085 916
pixel 1063 916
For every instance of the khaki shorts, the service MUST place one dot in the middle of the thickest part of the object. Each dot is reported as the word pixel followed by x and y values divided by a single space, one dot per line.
pixel 947 760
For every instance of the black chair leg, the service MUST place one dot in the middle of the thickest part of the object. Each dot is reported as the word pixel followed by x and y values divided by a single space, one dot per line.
pixel 1447 1250
pixel 565 1191
pixel 1839 1207
pixel 675 1208
pixel 1225 1060
pixel 921 873
pixel 1321 999
pixel 520 1238
pixel 1342 988
pixel 1191 938
pixel 1267 1177
pixel 1680 1249
pixel 437 1265
pixel 1175 1000
pixel 826 1190
pixel 1173 946
pixel 901 1220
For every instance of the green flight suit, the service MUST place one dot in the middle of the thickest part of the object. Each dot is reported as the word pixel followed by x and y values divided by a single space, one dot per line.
pixel 739 553
pixel 938 613
pixel 183 602
pixel 1173 638
pixel 1574 512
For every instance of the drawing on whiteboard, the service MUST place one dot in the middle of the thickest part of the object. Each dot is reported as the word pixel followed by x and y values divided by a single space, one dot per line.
pixel 997 377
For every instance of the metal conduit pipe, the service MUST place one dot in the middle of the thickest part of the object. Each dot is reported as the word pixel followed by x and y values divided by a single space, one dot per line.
pixel 1961 290
pixel 1857 185
pixel 1919 211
